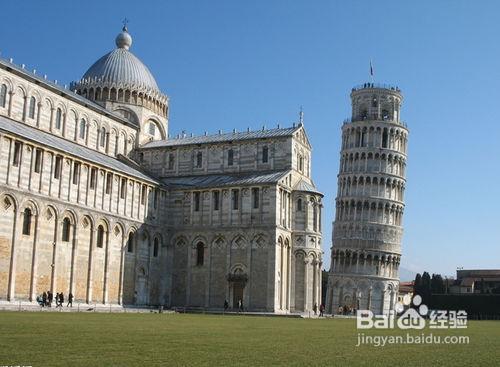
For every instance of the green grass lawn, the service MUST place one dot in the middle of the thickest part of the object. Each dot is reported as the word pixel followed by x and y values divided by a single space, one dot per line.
pixel 93 339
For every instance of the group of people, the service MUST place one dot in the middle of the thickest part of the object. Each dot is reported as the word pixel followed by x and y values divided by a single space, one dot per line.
pixel 347 310
pixel 46 299
pixel 321 309
pixel 240 305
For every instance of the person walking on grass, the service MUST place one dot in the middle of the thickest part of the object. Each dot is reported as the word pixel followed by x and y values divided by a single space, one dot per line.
pixel 321 310
pixel 61 299
pixel 315 308
pixel 44 299
pixel 70 300
pixel 226 305
pixel 50 297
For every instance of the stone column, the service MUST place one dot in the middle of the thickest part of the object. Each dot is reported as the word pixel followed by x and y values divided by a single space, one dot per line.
pixel 105 289
pixel 91 252
pixel 33 259
pixel 73 259
pixel 122 267
pixel 306 293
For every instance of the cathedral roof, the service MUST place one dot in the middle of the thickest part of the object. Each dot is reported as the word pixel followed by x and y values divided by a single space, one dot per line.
pixel 219 138
pixel 63 145
pixel 202 181
pixel 121 68
pixel 302 185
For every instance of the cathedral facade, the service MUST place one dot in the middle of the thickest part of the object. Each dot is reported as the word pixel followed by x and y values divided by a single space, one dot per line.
pixel 96 199
pixel 368 225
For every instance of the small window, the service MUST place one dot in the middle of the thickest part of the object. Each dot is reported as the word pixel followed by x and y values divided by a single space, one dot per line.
pixel 255 198
pixel 152 128
pixel 301 163
pixel 32 107
pixel 93 178
pixel 123 188
pixel 83 128
pixel 200 254
pixel 196 201
pixel 100 236
pixel 236 199
pixel 76 173
pixel 66 229
pixel 58 119
pixel 38 161
pixel 130 242
pixel 3 95
pixel 216 198
pixel 299 205
pixel 155 200
pixel 199 159
pixel 17 154
pixel 171 161
pixel 109 182
pixel 57 168
pixel 156 246
pixel 27 221
pixel 265 154
pixel 230 157
pixel 143 194
pixel 103 137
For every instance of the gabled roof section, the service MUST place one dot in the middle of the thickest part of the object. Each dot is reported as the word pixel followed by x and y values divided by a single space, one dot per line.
pixel 65 146
pixel 205 181
pixel 302 136
pixel 220 138
pixel 303 185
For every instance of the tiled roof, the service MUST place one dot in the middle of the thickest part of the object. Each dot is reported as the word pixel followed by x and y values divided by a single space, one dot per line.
pixel 218 138
pixel 65 146
pixel 302 185
pixel 223 180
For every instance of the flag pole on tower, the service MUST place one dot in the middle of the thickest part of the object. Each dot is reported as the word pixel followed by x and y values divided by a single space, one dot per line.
pixel 371 70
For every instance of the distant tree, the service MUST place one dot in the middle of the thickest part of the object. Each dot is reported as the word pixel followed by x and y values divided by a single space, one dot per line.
pixel 417 285
pixel 425 291
pixel 324 285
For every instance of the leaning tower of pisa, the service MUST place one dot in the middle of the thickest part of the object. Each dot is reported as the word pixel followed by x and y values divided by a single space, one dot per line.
pixel 367 231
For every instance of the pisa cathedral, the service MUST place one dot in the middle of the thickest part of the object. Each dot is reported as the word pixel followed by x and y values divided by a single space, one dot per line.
pixel 96 199
pixel 367 230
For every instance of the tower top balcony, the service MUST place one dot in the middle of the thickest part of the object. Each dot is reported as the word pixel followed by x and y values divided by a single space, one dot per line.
pixel 380 102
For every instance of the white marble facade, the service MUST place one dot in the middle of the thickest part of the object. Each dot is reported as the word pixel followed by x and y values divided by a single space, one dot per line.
pixel 367 230
pixel 97 200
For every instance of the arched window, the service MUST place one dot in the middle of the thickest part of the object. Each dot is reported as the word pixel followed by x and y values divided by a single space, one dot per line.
pixel 200 254
pixel 199 159
pixel 299 205
pixel 103 137
pixel 100 236
pixel 230 157
pixel 27 221
pixel 31 113
pixel 265 154
pixel 58 118
pixel 3 95
pixel 66 229
pixel 156 247
pixel 83 128
pixel 315 217
pixel 152 128
pixel 130 242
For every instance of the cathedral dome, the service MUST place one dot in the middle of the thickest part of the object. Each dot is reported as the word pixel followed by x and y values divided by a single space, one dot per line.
pixel 122 67
pixel 120 76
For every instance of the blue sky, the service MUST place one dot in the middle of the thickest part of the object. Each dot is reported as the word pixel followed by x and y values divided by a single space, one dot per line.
pixel 234 64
